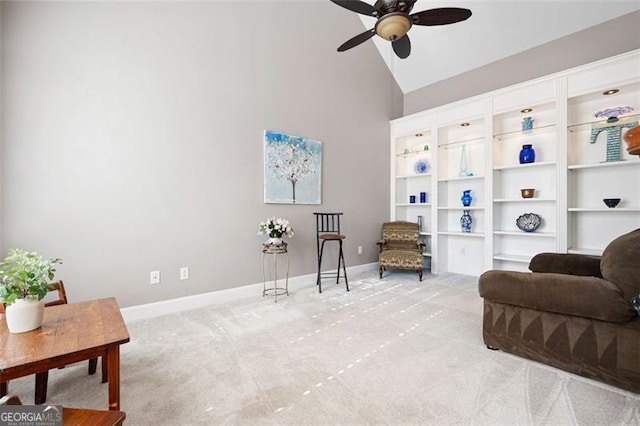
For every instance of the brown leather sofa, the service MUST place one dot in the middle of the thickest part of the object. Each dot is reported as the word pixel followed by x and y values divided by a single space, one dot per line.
pixel 572 312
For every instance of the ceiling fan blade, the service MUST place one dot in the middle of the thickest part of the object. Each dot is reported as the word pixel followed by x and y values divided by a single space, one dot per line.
pixel 402 47
pixel 360 38
pixel 440 16
pixel 358 7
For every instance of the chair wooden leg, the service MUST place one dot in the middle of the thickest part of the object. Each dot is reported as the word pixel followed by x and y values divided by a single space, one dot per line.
pixel 105 369
pixel 381 271
pixel 4 389
pixel 93 366
pixel 41 387
pixel 420 274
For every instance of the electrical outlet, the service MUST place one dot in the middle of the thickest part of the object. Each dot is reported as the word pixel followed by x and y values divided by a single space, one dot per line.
pixel 359 249
pixel 154 277
pixel 184 273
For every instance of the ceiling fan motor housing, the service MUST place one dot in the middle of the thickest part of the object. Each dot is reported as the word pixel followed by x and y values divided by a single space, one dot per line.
pixel 393 26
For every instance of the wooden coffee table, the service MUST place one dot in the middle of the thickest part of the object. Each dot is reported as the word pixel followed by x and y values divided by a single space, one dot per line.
pixel 70 333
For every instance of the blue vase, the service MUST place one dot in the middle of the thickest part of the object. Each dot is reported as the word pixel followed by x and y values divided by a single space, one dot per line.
pixel 527 154
pixel 466 198
pixel 527 124
pixel 466 221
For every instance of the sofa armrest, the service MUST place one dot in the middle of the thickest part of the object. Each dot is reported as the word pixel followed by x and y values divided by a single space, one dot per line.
pixel 571 264
pixel 588 297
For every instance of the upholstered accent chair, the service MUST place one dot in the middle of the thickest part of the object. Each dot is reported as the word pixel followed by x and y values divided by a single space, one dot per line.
pixel 572 312
pixel 400 247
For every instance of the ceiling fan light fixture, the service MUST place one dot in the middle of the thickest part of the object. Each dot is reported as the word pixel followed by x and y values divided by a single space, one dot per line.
pixel 393 26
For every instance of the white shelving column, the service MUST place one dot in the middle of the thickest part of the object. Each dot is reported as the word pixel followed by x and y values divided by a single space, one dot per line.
pixel 412 173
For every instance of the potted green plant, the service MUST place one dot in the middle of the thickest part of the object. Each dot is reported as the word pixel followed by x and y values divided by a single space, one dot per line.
pixel 24 280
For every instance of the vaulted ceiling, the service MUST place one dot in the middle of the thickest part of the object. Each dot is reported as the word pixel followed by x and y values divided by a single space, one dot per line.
pixel 496 30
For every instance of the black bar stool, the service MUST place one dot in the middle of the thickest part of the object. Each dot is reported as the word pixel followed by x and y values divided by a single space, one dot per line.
pixel 328 229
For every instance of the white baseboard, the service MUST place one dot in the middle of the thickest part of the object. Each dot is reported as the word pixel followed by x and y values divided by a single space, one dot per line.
pixel 150 310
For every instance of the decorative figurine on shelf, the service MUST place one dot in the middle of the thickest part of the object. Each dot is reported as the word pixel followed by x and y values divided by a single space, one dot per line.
pixel 614 131
pixel 463 163
pixel 420 224
pixel 466 198
pixel 527 154
pixel 527 124
pixel 466 221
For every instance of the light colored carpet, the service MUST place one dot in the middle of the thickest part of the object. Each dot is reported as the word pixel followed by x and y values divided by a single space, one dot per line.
pixel 391 351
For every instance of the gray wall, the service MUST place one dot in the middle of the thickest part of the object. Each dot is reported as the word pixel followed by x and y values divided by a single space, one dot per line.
pixel 601 41
pixel 133 137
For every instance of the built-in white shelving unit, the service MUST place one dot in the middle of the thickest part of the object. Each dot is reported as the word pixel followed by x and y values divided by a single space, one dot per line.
pixel 570 173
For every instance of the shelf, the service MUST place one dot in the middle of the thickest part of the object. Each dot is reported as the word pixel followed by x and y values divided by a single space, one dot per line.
pixel 621 163
pixel 585 251
pixel 602 123
pixel 418 175
pixel 413 204
pixel 523 200
pixel 424 233
pixel 460 178
pixel 512 257
pixel 604 209
pixel 526 234
pixel 520 134
pixel 462 234
pixel 412 152
pixel 525 166
pixel 471 140
pixel 426 254
pixel 461 208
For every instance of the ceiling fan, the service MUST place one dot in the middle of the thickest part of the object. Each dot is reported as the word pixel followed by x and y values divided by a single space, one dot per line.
pixel 394 21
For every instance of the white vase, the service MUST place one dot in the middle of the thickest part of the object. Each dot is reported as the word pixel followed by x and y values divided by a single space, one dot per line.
pixel 24 315
pixel 273 242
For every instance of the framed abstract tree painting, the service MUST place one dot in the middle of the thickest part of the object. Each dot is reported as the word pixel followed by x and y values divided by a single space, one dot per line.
pixel 292 169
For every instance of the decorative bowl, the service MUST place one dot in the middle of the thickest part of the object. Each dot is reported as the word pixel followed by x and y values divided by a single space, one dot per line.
pixel 611 202
pixel 528 222
pixel 421 166
pixel 527 192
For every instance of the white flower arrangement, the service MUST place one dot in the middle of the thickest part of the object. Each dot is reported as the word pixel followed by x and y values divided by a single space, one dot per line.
pixel 275 228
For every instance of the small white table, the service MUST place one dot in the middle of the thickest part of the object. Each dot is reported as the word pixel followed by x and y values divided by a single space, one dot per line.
pixel 275 251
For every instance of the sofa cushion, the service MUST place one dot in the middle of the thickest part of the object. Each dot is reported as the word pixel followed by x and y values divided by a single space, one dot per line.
pixel 620 264
pixel 588 297
pixel 401 259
